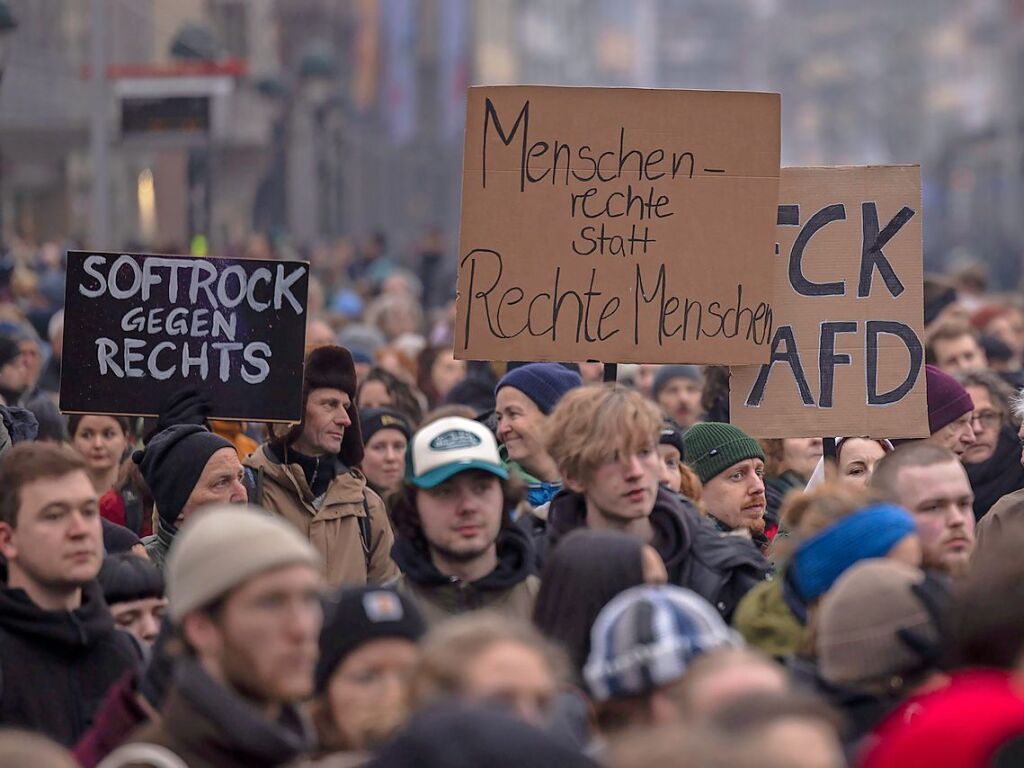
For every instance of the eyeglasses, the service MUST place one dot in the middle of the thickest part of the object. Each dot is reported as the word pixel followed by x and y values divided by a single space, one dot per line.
pixel 987 419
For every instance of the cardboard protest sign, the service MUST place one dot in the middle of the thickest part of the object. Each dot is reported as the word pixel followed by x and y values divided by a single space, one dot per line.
pixel 618 225
pixel 138 328
pixel 846 355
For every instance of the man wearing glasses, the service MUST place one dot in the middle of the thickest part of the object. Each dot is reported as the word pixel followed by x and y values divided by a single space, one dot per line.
pixel 993 461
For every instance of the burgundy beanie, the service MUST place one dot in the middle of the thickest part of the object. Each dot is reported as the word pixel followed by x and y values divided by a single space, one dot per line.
pixel 947 399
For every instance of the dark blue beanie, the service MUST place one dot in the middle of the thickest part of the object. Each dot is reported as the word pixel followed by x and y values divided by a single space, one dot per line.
pixel 666 373
pixel 543 383
pixel 870 533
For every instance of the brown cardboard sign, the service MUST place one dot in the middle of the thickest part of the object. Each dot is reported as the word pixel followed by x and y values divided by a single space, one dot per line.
pixel 846 356
pixel 618 225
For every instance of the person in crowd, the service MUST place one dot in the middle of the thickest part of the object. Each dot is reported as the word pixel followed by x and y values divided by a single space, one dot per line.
pixel 307 474
pixel 879 635
pixel 437 373
pixel 932 484
pixel 955 348
pixel 53 426
pixel 186 467
pixel 950 412
pixel 457 547
pixel 524 399
pixel 677 389
pixel 641 645
pixel 381 389
pixel 31 346
pixel 730 465
pixel 1004 322
pixel 61 650
pixel 993 462
pixel 14 373
pixel 788 465
pixel 716 680
pixel 604 440
pixel 134 591
pixel 386 435
pixel 244 590
pixel 102 442
pixel 319 334
pixel 49 381
pixel 585 571
pixel 487 659
pixel 129 503
pixel 17 425
pixel 368 651
pixel 855 462
pixel 676 475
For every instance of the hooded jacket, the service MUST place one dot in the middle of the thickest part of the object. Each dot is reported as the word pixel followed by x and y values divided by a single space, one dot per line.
pixel 511 588
pixel 999 475
pixel 209 726
pixel 56 666
pixel 331 522
pixel 718 567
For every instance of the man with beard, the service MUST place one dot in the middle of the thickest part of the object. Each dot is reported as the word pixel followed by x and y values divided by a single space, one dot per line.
pixel 604 439
pixel 993 462
pixel 677 389
pixel 456 544
pixel 931 483
pixel 244 590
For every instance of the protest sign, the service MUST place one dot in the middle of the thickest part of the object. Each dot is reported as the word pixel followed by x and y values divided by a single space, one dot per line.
pixel 846 355
pixel 139 328
pixel 617 224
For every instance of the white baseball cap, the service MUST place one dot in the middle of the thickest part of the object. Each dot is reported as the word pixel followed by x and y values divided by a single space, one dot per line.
pixel 449 446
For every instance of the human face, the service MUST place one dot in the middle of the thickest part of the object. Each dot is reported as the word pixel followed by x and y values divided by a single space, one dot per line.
pixel 681 400
pixel 670 476
pixel 591 372
pixel 264 640
pixel 32 359
pixel 325 422
pixel 101 441
pixel 736 496
pixel 446 372
pixel 384 459
pixel 520 425
pixel 514 676
pixel 801 454
pixel 220 483
pixel 987 421
pixel 958 435
pixel 959 355
pixel 141 618
pixel 857 459
pixel 374 394
pixel 623 489
pixel 57 544
pixel 940 498
pixel 461 517
pixel 14 374
pixel 366 694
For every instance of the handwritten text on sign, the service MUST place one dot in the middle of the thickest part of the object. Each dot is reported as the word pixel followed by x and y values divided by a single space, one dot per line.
pixel 146 326
pixel 618 225
pixel 846 354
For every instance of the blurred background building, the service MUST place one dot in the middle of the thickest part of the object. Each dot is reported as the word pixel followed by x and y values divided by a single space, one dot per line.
pixel 314 120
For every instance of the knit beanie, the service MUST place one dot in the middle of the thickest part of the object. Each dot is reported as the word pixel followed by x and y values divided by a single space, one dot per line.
pixel 666 373
pixel 947 399
pixel 363 614
pixel 871 532
pixel 171 465
pixel 713 447
pixel 225 545
pixel 672 434
pixel 865 622
pixel 373 420
pixel 543 383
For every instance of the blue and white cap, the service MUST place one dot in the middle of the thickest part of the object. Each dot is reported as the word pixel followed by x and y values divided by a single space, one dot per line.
pixel 449 446
pixel 647 636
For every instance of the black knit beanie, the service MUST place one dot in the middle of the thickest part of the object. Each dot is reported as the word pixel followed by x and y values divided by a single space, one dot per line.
pixel 172 463
pixel 360 615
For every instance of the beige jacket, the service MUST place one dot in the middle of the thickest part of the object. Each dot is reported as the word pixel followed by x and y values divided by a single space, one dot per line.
pixel 334 528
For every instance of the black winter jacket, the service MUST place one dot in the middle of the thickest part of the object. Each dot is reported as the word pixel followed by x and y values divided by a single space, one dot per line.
pixel 56 666
pixel 721 568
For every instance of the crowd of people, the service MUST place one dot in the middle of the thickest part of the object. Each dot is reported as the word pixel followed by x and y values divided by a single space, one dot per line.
pixel 461 564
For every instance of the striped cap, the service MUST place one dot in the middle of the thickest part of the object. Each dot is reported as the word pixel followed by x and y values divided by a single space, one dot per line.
pixel 647 636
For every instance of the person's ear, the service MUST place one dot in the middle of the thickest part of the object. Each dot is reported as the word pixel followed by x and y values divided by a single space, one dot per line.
pixel 574 485
pixel 7 546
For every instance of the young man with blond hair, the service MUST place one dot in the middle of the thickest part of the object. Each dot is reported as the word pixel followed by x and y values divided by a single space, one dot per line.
pixel 604 439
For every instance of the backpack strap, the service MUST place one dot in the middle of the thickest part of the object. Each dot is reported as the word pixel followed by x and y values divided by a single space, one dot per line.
pixel 366 534
pixel 254 485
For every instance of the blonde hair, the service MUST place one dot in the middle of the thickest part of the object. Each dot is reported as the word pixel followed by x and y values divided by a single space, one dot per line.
pixel 805 514
pixel 591 424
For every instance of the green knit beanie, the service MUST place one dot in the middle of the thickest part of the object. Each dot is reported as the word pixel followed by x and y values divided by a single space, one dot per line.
pixel 713 447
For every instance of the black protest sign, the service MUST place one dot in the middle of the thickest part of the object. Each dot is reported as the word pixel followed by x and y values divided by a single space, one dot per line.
pixel 138 328
pixel 846 355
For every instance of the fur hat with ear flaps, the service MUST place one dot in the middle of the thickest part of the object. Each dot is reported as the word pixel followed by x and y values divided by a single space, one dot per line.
pixel 332 368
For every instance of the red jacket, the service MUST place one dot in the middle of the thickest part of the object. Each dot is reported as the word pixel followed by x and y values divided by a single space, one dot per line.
pixel 112 508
